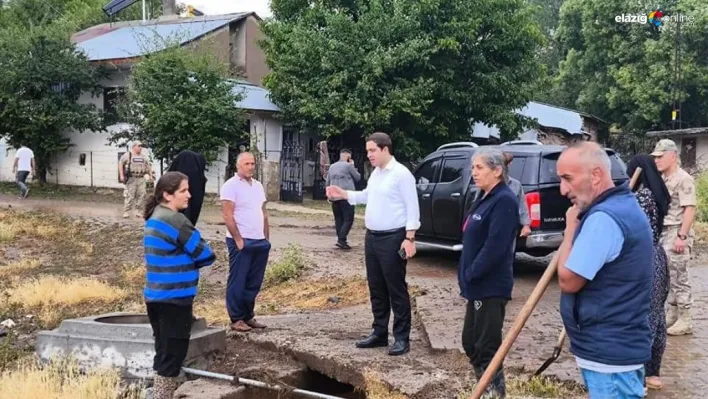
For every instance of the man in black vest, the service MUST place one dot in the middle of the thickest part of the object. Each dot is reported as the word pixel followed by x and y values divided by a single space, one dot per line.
pixel 605 275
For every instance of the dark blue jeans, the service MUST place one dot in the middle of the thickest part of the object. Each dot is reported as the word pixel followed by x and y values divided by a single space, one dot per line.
pixel 246 271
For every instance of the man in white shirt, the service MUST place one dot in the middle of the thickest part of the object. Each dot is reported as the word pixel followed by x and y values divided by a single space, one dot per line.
pixel 392 218
pixel 24 164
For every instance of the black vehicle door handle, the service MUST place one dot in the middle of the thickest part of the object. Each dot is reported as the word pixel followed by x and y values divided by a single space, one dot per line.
pixel 426 195
pixel 455 195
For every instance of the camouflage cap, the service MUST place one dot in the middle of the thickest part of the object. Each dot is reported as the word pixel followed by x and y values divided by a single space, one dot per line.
pixel 664 145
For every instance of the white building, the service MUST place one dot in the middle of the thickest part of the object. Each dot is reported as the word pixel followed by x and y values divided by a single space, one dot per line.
pixel 93 161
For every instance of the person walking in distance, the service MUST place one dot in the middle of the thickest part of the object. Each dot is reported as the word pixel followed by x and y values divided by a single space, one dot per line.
pixel 23 166
pixel 174 253
pixel 247 239
pixel 134 171
pixel 343 174
pixel 605 275
pixel 654 198
pixel 485 273
pixel 392 217
pixel 677 235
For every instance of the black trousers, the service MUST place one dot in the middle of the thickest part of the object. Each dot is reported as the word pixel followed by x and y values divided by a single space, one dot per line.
pixel 343 219
pixel 482 336
pixel 171 326
pixel 386 274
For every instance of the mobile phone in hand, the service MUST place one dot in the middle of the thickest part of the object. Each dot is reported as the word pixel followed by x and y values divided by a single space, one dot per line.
pixel 402 253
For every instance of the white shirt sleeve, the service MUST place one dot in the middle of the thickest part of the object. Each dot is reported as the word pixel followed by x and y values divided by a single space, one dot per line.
pixel 410 198
pixel 357 197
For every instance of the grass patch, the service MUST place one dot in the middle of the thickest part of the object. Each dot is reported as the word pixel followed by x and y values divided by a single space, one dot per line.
pixel 133 274
pixel 23 266
pixel 61 379
pixel 12 351
pixel 34 224
pixel 213 310
pixel 61 192
pixel 536 387
pixel 51 298
pixel 377 389
pixel 288 267
pixel 314 294
pixel 702 197
pixel 701 229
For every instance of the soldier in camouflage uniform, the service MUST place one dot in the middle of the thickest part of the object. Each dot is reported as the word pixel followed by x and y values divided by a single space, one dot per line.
pixel 134 170
pixel 677 235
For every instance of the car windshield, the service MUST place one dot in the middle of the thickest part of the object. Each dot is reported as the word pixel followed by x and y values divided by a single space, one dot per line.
pixel 549 174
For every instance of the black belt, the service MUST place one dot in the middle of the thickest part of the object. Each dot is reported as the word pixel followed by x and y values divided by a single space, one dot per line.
pixel 386 232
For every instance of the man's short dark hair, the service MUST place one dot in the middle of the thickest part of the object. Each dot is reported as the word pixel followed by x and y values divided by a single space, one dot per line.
pixel 382 140
pixel 345 151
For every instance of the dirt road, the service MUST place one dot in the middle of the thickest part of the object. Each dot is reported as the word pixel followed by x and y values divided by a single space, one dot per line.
pixel 322 336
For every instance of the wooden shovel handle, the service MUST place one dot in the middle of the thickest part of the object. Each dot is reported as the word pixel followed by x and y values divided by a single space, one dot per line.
pixel 519 322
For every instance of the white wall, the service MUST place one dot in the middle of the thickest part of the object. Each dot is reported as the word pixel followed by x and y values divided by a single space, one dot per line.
pixel 269 135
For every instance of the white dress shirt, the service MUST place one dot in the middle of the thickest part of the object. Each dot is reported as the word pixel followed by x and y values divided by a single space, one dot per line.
pixel 391 199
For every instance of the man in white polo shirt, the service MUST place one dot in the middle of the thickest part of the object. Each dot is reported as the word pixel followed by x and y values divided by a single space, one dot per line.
pixel 392 217
pixel 244 212
pixel 24 164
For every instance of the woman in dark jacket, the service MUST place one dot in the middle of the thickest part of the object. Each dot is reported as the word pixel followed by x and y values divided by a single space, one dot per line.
pixel 193 165
pixel 485 272
pixel 654 198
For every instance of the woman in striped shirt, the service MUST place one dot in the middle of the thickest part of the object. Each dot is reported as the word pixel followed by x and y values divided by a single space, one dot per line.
pixel 174 253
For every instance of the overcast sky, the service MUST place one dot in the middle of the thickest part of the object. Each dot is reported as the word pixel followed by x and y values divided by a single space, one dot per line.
pixel 214 7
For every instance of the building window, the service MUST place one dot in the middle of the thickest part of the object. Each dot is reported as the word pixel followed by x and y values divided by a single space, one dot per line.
pixel 111 97
pixel 82 159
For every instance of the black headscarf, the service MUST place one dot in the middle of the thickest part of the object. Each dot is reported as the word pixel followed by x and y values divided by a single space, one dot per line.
pixel 193 165
pixel 651 179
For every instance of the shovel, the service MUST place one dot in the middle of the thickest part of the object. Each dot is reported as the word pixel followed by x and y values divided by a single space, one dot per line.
pixel 556 353
pixel 561 338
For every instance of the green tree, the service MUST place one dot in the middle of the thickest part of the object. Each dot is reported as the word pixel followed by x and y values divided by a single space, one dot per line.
pixel 180 99
pixel 42 80
pixel 624 72
pixel 71 15
pixel 423 70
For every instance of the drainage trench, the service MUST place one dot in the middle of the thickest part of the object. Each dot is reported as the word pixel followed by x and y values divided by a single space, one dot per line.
pixel 310 384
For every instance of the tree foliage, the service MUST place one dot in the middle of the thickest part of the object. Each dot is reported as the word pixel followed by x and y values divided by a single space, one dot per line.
pixel 179 99
pixel 423 70
pixel 43 77
pixel 624 72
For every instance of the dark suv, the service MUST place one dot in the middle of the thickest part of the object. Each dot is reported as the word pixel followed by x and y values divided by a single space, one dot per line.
pixel 446 191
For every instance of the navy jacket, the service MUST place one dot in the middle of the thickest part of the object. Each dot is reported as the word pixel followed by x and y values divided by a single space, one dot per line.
pixel 607 321
pixel 489 237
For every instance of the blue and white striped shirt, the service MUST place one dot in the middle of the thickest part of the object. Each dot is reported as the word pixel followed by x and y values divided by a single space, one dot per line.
pixel 174 253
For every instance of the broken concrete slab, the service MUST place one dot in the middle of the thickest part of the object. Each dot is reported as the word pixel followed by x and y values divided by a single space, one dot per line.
pixel 122 340
pixel 331 351
pixel 436 324
pixel 208 389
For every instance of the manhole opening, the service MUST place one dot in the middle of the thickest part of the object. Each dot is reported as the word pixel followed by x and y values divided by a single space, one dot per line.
pixel 124 319
pixel 312 381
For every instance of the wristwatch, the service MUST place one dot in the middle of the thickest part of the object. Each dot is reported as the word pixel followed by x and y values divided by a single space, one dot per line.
pixel 682 236
pixel 411 239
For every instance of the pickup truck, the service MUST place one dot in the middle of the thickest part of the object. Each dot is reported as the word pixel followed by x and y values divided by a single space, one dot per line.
pixel 446 192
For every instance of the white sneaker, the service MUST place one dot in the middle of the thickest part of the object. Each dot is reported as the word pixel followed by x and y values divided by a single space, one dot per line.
pixel 126 215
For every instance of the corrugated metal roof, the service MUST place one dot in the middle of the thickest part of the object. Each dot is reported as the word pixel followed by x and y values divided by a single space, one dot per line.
pixel 550 116
pixel 546 115
pixel 139 40
pixel 255 98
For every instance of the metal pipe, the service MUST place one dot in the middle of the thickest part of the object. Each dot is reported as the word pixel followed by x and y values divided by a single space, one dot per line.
pixel 256 384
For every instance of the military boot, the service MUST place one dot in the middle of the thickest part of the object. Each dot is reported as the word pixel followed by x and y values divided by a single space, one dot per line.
pixel 164 387
pixel 683 325
pixel 671 315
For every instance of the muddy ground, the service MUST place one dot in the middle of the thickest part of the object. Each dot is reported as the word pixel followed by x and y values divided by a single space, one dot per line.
pixel 313 320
